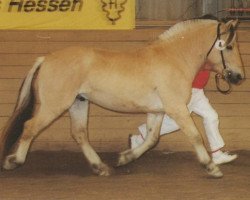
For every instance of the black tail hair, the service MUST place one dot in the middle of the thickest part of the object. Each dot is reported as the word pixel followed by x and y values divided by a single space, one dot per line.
pixel 15 125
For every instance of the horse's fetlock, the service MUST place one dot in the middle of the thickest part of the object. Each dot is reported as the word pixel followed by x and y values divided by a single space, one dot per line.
pixel 101 169
pixel 11 162
pixel 154 140
pixel 213 170
pixel 126 157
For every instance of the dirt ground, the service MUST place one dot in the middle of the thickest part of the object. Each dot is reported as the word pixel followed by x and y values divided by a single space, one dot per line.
pixel 156 175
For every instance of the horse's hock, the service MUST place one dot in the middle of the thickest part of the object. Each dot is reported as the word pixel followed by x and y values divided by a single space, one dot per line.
pixel 109 131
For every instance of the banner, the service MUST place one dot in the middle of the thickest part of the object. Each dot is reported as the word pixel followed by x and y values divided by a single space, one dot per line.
pixel 67 14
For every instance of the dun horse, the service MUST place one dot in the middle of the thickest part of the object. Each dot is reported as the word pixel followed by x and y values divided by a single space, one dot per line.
pixel 155 80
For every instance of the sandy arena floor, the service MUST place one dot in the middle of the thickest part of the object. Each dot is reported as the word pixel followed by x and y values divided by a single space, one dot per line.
pixel 156 175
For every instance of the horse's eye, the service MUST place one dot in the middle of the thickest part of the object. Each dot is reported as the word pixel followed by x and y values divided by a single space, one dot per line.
pixel 229 47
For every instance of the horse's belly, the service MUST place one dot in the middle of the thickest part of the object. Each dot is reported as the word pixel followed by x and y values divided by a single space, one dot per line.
pixel 149 103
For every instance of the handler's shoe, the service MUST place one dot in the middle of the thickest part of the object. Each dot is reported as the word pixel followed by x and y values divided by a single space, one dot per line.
pixel 221 157
pixel 135 141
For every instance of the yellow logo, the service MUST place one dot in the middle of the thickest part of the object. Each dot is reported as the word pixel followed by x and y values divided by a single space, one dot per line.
pixel 67 14
pixel 113 9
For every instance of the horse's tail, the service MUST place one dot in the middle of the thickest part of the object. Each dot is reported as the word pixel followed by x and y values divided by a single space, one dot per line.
pixel 22 112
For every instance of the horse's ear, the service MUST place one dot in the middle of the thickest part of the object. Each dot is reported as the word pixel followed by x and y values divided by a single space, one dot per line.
pixel 232 23
pixel 230 28
pixel 235 23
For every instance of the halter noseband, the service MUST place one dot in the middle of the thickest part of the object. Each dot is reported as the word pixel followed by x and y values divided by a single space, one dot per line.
pixel 219 44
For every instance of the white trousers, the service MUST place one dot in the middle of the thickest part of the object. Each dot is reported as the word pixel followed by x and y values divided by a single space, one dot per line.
pixel 200 105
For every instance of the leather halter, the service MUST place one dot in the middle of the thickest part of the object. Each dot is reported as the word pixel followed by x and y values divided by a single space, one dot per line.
pixel 225 71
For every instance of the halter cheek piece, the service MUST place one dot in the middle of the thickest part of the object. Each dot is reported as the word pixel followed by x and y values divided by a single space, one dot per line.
pixel 219 44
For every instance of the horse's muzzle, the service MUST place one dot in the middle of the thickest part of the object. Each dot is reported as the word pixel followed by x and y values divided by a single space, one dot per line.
pixel 229 78
pixel 234 78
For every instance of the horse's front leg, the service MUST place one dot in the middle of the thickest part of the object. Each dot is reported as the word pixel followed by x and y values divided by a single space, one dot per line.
pixel 182 116
pixel 154 122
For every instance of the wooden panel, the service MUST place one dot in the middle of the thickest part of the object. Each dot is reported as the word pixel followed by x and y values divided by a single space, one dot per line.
pixel 47 47
pixel 109 131
pixel 137 35
pixel 246 60
pixel 15 72
pixel 9 59
pixel 244 47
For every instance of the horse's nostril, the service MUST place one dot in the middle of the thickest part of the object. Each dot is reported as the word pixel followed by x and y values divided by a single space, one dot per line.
pixel 239 77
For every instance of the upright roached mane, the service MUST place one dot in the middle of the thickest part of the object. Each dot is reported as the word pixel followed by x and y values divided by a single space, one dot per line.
pixel 177 29
pixel 155 80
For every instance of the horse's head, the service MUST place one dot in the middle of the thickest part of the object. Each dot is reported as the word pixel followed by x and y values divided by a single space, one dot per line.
pixel 224 53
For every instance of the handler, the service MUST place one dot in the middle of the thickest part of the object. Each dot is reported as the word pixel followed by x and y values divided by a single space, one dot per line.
pixel 200 105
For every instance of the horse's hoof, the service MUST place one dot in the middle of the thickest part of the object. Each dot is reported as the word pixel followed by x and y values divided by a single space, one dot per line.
pixel 122 160
pixel 125 158
pixel 10 163
pixel 217 174
pixel 102 169
pixel 214 171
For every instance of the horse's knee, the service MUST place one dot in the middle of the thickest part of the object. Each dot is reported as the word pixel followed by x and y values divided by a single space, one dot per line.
pixel 196 139
pixel 193 135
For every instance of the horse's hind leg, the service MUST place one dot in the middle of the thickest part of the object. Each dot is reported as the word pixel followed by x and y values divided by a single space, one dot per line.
pixel 79 117
pixel 154 122
pixel 42 118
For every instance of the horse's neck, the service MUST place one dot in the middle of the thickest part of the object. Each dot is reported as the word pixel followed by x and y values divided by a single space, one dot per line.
pixel 191 47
